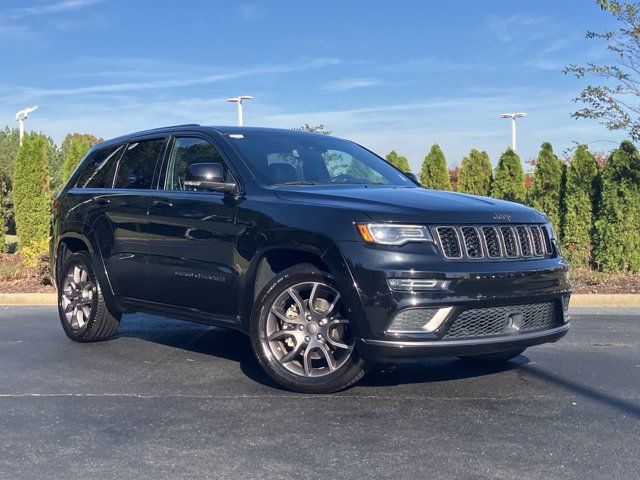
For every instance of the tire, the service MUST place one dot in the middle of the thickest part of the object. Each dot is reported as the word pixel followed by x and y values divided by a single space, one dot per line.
pixel 304 349
pixel 494 357
pixel 83 312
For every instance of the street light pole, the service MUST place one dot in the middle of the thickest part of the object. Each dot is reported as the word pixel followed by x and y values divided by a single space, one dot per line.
pixel 238 101
pixel 21 116
pixel 513 117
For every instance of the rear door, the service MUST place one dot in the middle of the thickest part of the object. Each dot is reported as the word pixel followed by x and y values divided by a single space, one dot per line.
pixel 192 234
pixel 118 216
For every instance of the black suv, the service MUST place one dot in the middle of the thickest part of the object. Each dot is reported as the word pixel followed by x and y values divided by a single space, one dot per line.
pixel 327 256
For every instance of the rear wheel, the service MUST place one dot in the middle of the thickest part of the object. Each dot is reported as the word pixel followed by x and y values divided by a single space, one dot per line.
pixel 301 334
pixel 83 312
pixel 494 357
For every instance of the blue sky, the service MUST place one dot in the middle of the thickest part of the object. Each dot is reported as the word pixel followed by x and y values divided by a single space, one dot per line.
pixel 401 74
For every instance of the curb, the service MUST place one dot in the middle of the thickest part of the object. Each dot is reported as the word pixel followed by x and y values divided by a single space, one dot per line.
pixel 579 300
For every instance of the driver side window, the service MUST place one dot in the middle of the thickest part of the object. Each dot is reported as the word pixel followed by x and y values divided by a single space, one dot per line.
pixel 184 152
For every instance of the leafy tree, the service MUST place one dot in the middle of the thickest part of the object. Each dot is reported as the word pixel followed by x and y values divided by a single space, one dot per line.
pixel 618 221
pixel 614 101
pixel 508 179
pixel 578 207
pixel 434 173
pixel 32 194
pixel 546 189
pixel 398 161
pixel 313 128
pixel 9 144
pixel 72 138
pixel 454 176
pixel 475 174
pixel 77 148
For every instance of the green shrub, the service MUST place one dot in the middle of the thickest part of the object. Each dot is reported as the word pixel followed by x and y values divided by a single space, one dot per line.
pixel 32 194
pixel 546 189
pixel 618 221
pixel 508 179
pixel 398 161
pixel 78 147
pixel 475 174
pixel 434 173
pixel 579 201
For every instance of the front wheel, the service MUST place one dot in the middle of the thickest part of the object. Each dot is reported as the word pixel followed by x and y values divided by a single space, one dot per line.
pixel 301 334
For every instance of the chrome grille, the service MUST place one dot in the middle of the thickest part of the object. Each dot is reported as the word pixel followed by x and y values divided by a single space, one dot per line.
pixel 481 322
pixel 488 242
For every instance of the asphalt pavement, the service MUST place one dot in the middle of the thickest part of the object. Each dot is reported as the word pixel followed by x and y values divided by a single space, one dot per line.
pixel 171 399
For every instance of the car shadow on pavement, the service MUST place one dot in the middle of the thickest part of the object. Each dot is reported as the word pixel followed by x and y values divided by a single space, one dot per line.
pixel 197 338
pixel 435 370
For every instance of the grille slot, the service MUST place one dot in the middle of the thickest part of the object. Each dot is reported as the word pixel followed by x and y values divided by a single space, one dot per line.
pixel 536 237
pixel 472 242
pixel 509 239
pixel 450 242
pixel 524 240
pixel 494 249
pixel 482 322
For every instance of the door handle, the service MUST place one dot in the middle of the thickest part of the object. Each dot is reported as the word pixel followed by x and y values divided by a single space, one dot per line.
pixel 102 200
pixel 161 203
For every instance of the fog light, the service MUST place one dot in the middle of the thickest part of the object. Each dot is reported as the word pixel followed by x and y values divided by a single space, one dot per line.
pixel 418 320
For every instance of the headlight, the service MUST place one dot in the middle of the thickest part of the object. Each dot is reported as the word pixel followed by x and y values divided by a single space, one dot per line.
pixel 552 232
pixel 393 234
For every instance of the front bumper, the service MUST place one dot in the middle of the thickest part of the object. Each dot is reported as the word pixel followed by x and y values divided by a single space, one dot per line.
pixel 463 286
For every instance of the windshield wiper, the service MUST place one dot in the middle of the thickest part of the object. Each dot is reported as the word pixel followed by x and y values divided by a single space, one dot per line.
pixel 302 182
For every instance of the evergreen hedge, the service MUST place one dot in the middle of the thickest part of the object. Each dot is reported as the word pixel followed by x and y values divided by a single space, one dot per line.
pixel 579 201
pixel 398 161
pixel 32 195
pixel 78 147
pixel 618 220
pixel 475 174
pixel 546 189
pixel 508 179
pixel 434 173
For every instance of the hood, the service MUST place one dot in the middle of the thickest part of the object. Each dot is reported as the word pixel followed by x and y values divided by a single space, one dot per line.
pixel 415 205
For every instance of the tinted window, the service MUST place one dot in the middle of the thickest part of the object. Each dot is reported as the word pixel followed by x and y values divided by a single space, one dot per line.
pixel 100 167
pixel 184 152
pixel 136 167
pixel 319 159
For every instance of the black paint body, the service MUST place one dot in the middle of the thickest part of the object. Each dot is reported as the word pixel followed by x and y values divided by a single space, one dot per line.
pixel 201 255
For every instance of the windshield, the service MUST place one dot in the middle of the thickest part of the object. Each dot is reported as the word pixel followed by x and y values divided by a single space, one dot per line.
pixel 288 159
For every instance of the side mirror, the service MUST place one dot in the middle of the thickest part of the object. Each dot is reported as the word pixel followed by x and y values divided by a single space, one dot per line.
pixel 413 177
pixel 207 176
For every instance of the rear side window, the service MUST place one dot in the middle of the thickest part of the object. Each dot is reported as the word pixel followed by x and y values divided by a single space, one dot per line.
pixel 100 167
pixel 136 167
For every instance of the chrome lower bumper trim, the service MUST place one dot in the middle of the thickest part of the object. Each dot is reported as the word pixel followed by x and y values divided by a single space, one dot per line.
pixel 473 341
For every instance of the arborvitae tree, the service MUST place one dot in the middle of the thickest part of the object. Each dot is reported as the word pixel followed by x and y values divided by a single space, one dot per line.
pixel 9 145
pixel 508 179
pixel 475 174
pixel 398 161
pixel 546 189
pixel 434 173
pixel 618 220
pixel 578 207
pixel 77 149
pixel 31 193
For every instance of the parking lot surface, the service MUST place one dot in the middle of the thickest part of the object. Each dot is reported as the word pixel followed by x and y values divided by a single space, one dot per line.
pixel 171 399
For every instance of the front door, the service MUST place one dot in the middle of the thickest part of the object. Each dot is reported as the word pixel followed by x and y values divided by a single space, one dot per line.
pixel 192 235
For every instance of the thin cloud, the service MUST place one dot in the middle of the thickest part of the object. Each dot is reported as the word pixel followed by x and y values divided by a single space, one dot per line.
pixel 177 83
pixel 350 84
pixel 57 7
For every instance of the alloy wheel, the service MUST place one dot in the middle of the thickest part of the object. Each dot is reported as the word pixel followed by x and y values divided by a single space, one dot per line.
pixel 77 296
pixel 306 331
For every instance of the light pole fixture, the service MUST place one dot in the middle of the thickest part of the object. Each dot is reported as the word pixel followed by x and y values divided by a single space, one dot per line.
pixel 21 116
pixel 238 101
pixel 513 117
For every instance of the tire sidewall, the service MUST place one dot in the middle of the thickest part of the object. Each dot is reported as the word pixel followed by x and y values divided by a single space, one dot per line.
pixel 343 377
pixel 83 259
